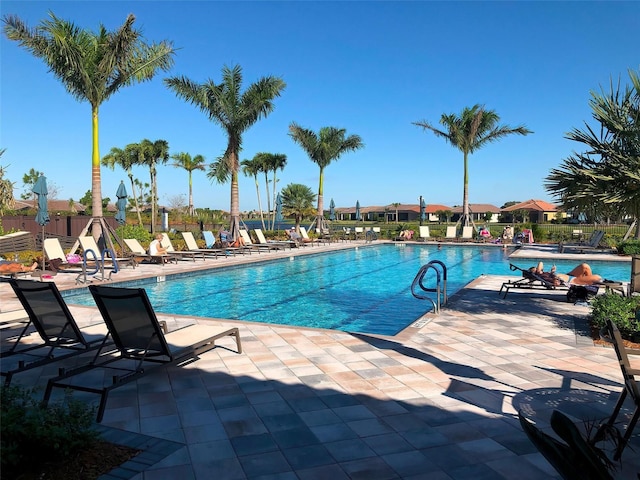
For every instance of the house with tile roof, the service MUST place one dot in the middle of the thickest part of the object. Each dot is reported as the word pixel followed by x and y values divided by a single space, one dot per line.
pixel 478 211
pixel 404 212
pixel 538 211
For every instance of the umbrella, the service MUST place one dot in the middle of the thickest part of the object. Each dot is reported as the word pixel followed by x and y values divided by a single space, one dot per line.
pixel 278 217
pixel 423 210
pixel 121 204
pixel 358 216
pixel 42 217
pixel 332 210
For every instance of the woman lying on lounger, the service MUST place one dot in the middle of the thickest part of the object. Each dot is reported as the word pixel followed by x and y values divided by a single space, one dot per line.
pixel 581 275
pixel 8 267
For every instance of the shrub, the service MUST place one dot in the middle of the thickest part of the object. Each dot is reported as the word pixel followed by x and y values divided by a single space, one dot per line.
pixel 629 247
pixel 134 231
pixel 32 433
pixel 620 310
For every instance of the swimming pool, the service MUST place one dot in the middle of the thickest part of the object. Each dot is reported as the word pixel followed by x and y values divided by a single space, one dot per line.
pixel 365 290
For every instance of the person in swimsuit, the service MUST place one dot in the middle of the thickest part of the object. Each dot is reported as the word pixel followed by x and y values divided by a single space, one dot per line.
pixel 8 267
pixel 580 275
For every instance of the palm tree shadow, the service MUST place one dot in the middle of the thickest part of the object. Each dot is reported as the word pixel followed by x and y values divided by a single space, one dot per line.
pixel 450 368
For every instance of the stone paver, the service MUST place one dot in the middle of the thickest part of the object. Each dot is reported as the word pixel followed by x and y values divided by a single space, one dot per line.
pixel 435 401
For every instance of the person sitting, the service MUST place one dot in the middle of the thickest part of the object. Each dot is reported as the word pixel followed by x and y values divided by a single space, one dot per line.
pixel 7 267
pixel 225 238
pixel 507 234
pixel 237 243
pixel 484 233
pixel 156 248
pixel 580 275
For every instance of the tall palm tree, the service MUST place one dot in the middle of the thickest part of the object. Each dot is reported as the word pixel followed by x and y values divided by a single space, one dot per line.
pixel 252 168
pixel 184 160
pixel 323 148
pixel 92 66
pixel 235 112
pixel 151 154
pixel 297 201
pixel 272 162
pixel 125 159
pixel 469 132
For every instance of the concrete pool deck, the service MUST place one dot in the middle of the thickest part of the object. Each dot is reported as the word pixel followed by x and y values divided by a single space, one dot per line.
pixel 437 401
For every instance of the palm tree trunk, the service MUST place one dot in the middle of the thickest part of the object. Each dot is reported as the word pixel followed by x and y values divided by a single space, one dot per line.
pixel 152 172
pixel 96 187
pixel 273 214
pixel 255 178
pixel 191 212
pixel 320 213
pixel 266 181
pixel 465 193
pixel 135 198
pixel 234 223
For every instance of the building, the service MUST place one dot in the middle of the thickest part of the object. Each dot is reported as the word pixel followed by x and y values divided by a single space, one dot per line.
pixel 537 211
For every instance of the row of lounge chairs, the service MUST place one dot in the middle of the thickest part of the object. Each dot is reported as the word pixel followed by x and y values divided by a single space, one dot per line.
pixel 130 343
pixel 103 258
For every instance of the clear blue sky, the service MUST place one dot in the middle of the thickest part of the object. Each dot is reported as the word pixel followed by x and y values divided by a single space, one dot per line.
pixel 370 67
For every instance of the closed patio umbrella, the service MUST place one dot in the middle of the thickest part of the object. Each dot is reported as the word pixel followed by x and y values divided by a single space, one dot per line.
pixel 423 210
pixel 332 210
pixel 278 217
pixel 121 204
pixel 358 216
pixel 42 216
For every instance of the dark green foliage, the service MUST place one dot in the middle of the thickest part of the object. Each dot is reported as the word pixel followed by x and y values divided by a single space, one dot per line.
pixel 32 433
pixel 620 310
pixel 629 247
pixel 132 231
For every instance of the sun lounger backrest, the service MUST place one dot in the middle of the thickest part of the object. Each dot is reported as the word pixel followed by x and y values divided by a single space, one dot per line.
pixel 47 311
pixel 451 232
pixel 53 249
pixel 209 238
pixel 597 238
pixel 303 232
pixel 424 231
pixel 134 246
pixel 190 241
pixel 245 236
pixel 260 236
pixel 467 232
pixel 166 243
pixel 131 320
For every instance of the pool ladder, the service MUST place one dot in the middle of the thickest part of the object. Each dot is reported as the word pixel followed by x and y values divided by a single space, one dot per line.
pixel 99 265
pixel 440 289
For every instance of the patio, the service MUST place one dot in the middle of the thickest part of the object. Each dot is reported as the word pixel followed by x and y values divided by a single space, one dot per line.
pixel 437 401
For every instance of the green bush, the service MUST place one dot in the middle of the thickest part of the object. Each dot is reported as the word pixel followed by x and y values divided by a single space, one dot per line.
pixel 620 310
pixel 134 231
pixel 629 247
pixel 32 433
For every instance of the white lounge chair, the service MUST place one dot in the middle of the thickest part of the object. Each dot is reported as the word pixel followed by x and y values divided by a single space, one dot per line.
pixel 139 253
pixel 424 233
pixel 450 234
pixel 192 245
pixel 467 234
pixel 182 254
pixel 272 244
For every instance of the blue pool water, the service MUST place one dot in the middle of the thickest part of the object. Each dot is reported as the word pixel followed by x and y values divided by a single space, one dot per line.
pixel 363 290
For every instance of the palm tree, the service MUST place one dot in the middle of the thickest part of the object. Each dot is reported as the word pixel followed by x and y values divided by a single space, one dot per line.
pixel 184 160
pixel 252 168
pixel 125 159
pixel 151 154
pixel 605 177
pixel 272 162
pixel 92 66
pixel 297 201
pixel 323 148
pixel 235 112
pixel 6 190
pixel 469 132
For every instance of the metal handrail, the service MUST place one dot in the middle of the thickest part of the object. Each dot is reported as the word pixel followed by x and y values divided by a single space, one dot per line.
pixel 441 284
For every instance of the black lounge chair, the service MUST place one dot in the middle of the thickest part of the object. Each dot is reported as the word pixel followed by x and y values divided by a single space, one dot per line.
pixel 591 244
pixel 529 280
pixel 631 384
pixel 51 319
pixel 548 281
pixel 141 344
pixel 577 459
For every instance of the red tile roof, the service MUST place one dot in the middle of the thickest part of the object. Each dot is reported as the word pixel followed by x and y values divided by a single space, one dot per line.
pixel 537 205
pixel 478 208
